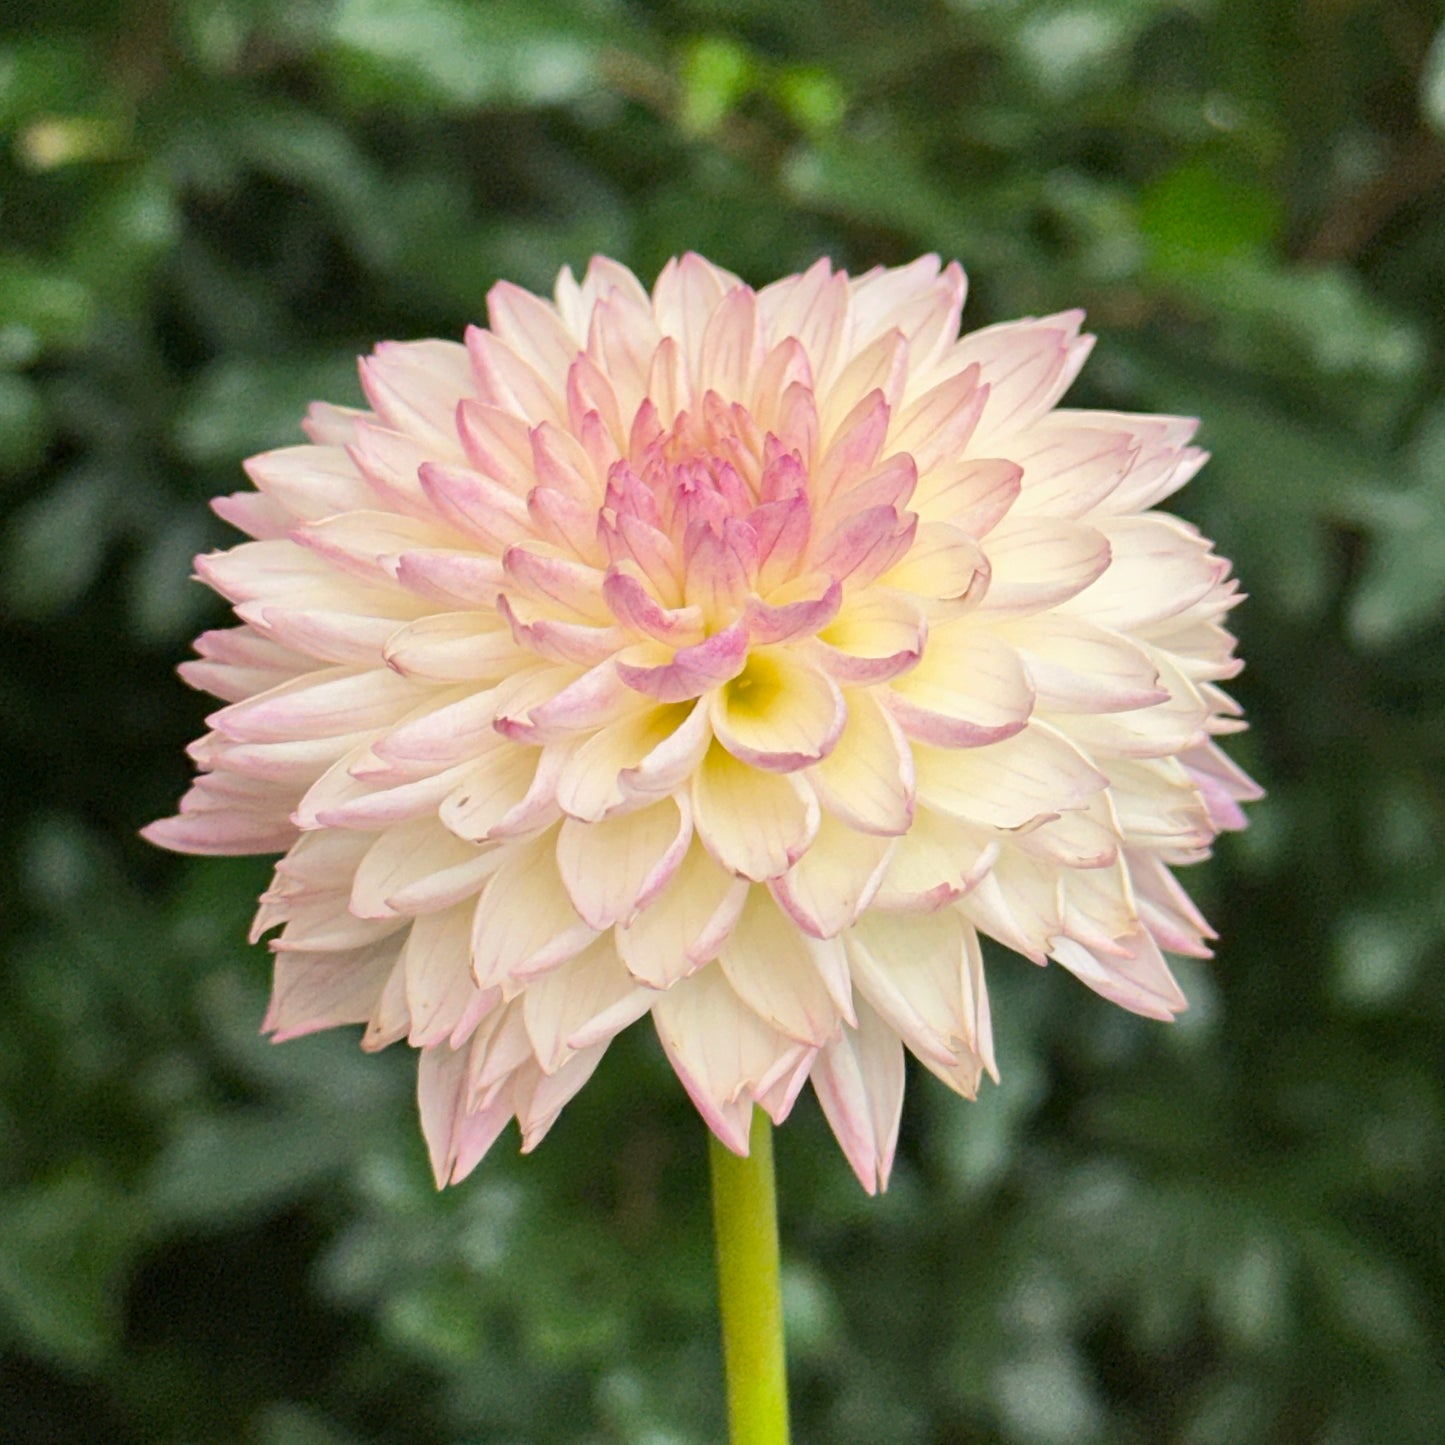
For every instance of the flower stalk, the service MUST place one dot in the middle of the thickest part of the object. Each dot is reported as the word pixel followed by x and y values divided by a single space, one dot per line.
pixel 745 1222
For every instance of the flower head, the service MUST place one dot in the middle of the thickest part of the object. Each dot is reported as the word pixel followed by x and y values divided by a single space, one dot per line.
pixel 734 657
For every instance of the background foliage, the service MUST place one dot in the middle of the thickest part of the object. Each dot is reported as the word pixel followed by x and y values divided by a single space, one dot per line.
pixel 1216 1234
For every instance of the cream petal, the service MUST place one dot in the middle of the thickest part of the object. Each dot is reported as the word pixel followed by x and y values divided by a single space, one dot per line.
pixel 454 647
pixel 1166 909
pixel 1222 784
pixel 505 380
pixel 389 1020
pixel 622 338
pixel 405 855
pixel 685 925
pixel 340 799
pixel 1007 784
pixel 1037 562
pixel 326 703
pixel 813 308
pixel 756 824
pixel 313 991
pixel 724 1054
pixel 1070 470
pixel 580 1004
pixel 256 516
pixel 867 781
pixel 1076 666
pixel 450 577
pixel 539 1098
pixel 852 451
pixel 533 330
pixel 1159 567
pixel 880 366
pixel 352 638
pixel 1084 838
pixel 389 462
pixel 687 293
pixel 311 482
pixel 589 786
pixel 859 1079
pixel 779 713
pixel 414 387
pixel 935 429
pixel 777 971
pixel 438 977
pixel 483 510
pixel 973 494
pixel 835 880
pixel 1028 365
pixel 1139 981
pixel 915 970
pixel 936 861
pixel 525 923
pixel 615 867
pixel 944 564
pixel 331 426
pixel 456 1138
pixel 503 789
pixel 877 634
pixel 223 833
pixel 968 689
pixel 1171 725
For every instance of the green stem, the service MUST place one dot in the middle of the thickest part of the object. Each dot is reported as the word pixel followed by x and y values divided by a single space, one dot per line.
pixel 745 1221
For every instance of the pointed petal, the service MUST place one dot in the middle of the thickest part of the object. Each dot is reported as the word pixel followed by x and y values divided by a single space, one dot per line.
pixel 859 1082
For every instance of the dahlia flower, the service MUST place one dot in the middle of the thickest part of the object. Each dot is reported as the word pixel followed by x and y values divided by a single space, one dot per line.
pixel 734 657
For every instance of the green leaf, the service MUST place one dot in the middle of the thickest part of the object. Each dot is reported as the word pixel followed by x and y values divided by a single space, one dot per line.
pixel 63 1244
pixel 247 404
pixel 1402 587
pixel 455 54
pixel 1196 216
pixel 25 427
pixel 716 74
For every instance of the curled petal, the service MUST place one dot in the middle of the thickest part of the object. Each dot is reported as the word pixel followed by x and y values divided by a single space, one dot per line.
pixel 779 712
pixel 635 607
pixel 775 621
pixel 876 635
pixel 944 564
pixel 692 670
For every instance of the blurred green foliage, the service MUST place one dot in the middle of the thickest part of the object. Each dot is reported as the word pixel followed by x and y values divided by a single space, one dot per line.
pixel 1224 1233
